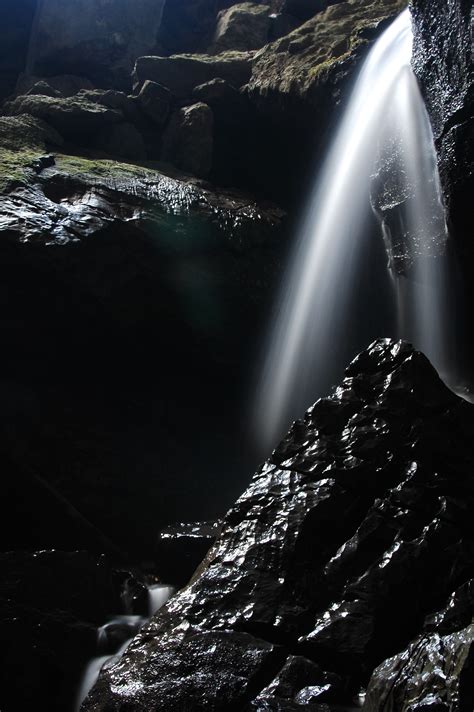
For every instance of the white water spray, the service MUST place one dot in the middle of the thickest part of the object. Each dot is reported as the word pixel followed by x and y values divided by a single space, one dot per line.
pixel 315 304
pixel 127 627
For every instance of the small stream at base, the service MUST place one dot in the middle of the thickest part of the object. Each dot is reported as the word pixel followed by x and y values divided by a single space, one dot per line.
pixel 114 637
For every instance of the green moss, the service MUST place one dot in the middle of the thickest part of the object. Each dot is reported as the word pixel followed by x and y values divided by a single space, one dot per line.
pixel 16 166
pixel 101 168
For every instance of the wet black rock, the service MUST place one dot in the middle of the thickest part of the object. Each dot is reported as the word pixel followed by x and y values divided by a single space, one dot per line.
pixel 435 672
pixel 442 61
pixel 355 530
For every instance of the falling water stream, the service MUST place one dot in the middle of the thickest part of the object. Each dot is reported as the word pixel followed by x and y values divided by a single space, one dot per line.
pixel 385 120
pixel 117 633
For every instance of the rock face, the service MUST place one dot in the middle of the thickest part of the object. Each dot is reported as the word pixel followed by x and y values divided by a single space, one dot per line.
pixel 442 61
pixel 351 534
pixel 99 42
pixel 74 117
pixel 443 64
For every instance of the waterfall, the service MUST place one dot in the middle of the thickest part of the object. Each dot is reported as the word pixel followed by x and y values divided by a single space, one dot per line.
pixel 117 633
pixel 385 123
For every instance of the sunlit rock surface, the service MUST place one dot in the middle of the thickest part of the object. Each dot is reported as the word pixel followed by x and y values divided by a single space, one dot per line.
pixel 355 529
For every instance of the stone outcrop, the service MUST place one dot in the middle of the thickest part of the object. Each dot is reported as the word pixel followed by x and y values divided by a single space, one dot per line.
pixel 356 529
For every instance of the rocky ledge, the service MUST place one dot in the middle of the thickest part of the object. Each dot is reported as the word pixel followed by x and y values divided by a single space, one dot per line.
pixel 347 543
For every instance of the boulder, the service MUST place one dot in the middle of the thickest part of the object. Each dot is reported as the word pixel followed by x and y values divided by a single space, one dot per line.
pixel 64 84
pixel 155 101
pixel 74 117
pixel 242 27
pixel 100 42
pixel 43 88
pixel 182 73
pixel 23 132
pixel 357 527
pixel 113 99
pixel 188 140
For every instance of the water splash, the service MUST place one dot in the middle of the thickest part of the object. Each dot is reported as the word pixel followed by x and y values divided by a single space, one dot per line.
pixel 314 308
pixel 114 637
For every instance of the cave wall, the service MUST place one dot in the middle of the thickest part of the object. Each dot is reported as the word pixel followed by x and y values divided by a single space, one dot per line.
pixel 16 20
